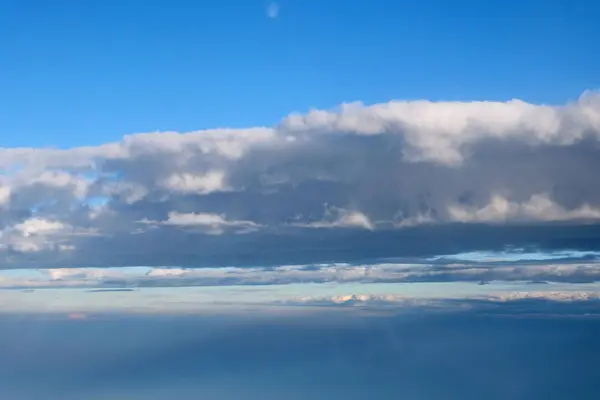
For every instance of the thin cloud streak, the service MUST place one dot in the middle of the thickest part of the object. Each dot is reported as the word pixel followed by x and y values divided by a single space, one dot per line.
pixel 455 272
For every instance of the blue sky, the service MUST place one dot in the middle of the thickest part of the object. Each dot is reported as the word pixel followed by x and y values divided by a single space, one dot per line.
pixel 88 72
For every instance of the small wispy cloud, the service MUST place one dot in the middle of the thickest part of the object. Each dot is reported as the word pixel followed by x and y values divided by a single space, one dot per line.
pixel 273 10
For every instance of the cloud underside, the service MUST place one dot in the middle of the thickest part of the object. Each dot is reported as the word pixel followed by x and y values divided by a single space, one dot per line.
pixel 392 179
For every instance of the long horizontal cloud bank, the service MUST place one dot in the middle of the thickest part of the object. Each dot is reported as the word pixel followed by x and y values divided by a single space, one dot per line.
pixel 140 277
pixel 315 185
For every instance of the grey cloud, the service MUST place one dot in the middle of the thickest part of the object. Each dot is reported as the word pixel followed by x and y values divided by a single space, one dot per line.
pixel 180 247
pixel 409 166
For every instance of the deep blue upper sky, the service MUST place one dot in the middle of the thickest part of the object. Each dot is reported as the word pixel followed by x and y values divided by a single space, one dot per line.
pixel 86 72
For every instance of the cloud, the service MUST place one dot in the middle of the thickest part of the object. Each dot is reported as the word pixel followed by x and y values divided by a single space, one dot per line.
pixel 496 274
pixel 340 218
pixel 363 300
pixel 356 181
pixel 273 10
pixel 37 234
pixel 538 208
pixel 212 224
pixel 442 132
pixel 4 195
pixel 199 184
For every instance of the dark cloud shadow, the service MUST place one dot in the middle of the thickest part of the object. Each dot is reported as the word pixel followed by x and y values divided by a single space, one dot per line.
pixel 325 245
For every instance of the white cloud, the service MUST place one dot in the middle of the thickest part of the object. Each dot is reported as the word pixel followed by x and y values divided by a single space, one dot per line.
pixel 33 235
pixel 439 131
pixel 212 224
pixel 440 301
pixel 167 272
pixel 212 181
pixel 70 274
pixel 355 300
pixel 549 295
pixel 37 226
pixel 127 192
pixel 61 179
pixel 340 218
pixel 538 208
pixel 4 195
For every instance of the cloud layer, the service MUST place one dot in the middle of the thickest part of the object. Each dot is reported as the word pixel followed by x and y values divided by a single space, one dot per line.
pixel 354 175
pixel 140 277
